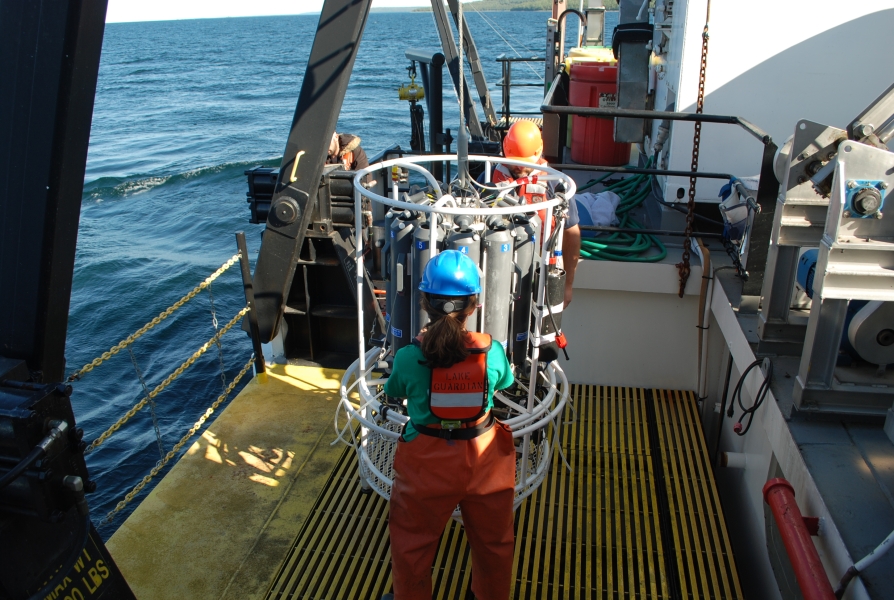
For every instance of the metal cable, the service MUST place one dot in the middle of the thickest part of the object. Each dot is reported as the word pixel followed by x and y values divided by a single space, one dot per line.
pixel 161 447
pixel 511 47
pixel 192 430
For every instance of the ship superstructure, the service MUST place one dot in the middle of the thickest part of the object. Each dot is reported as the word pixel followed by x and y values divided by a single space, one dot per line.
pixel 722 424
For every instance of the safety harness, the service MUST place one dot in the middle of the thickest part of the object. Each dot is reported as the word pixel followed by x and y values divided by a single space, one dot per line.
pixel 458 394
pixel 530 189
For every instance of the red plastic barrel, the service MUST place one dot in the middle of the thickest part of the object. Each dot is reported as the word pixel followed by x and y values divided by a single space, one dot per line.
pixel 592 140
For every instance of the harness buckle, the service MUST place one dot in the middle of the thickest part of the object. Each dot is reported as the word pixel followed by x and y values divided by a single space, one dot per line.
pixel 451 425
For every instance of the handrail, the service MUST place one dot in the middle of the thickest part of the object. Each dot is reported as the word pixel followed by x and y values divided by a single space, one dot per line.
pixel 505 82
pixel 638 171
pixel 504 58
pixel 809 571
pixel 611 113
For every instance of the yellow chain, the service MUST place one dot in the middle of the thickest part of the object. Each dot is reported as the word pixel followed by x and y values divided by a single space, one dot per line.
pixel 161 317
pixel 177 373
pixel 161 464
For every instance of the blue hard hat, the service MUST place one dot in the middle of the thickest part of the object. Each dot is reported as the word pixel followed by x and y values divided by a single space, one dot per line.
pixel 451 273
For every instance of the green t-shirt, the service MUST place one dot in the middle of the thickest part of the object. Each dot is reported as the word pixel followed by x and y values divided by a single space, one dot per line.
pixel 411 380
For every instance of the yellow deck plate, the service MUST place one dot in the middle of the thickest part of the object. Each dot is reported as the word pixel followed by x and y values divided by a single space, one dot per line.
pixel 638 516
pixel 217 525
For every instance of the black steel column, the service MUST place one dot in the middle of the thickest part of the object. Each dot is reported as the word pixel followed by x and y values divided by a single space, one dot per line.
pixel 49 60
pixel 319 103
pixel 762 223
pixel 432 68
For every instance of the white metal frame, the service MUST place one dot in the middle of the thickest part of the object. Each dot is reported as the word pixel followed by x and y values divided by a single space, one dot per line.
pixel 379 433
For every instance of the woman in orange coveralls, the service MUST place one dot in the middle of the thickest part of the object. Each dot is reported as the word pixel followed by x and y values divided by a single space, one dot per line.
pixel 452 452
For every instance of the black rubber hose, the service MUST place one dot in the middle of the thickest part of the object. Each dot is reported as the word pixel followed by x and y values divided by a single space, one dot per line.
pixel 17 470
pixel 56 435
pixel 762 391
pixel 729 371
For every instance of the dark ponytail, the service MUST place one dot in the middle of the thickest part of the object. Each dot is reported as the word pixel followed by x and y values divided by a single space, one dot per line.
pixel 444 342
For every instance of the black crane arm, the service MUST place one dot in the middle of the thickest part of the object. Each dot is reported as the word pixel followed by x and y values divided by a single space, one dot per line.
pixel 322 93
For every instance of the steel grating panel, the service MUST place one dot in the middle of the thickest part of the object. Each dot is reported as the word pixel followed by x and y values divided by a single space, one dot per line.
pixel 705 564
pixel 624 522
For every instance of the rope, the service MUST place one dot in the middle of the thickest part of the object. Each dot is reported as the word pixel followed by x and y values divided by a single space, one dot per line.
pixel 462 73
pixel 198 424
pixel 511 47
pixel 161 317
pixel 170 378
pixel 161 446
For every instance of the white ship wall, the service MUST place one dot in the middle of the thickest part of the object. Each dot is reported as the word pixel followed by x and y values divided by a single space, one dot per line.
pixel 626 326
pixel 772 62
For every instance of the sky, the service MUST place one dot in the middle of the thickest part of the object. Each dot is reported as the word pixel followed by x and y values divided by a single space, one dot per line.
pixel 120 11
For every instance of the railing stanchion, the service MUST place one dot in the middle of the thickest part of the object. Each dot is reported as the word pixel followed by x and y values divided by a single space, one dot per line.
pixel 260 368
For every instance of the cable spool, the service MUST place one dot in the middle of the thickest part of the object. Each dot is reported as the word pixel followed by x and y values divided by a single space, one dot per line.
pixel 871 333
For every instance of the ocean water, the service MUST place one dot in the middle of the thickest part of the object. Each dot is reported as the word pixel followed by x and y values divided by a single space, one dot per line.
pixel 182 109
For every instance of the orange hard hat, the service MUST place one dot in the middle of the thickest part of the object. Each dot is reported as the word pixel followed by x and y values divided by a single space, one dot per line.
pixel 523 142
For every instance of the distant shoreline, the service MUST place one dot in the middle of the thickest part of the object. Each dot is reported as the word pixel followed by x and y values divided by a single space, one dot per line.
pixel 382 10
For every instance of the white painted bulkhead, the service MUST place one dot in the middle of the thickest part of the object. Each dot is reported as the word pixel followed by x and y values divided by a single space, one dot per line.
pixel 626 325
pixel 769 450
pixel 772 63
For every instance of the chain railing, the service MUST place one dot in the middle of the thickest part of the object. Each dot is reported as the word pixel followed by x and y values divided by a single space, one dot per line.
pixel 168 380
pixel 161 317
pixel 179 445
pixel 149 396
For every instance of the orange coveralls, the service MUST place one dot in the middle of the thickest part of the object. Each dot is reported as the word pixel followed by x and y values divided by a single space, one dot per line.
pixel 434 475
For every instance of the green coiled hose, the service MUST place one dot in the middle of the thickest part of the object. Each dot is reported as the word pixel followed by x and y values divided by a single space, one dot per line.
pixel 625 247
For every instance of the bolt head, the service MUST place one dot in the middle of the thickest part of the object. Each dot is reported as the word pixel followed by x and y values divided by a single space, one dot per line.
pixel 883 185
pixel 851 184
pixel 804 155
pixel 847 214
pixel 878 215
pixel 864 129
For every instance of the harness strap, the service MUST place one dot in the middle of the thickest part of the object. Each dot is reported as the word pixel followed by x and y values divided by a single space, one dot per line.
pixel 464 433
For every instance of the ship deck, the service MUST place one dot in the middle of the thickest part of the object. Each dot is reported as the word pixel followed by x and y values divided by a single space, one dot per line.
pixel 262 506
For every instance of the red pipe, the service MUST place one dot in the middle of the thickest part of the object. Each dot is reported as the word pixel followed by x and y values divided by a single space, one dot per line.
pixel 809 571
